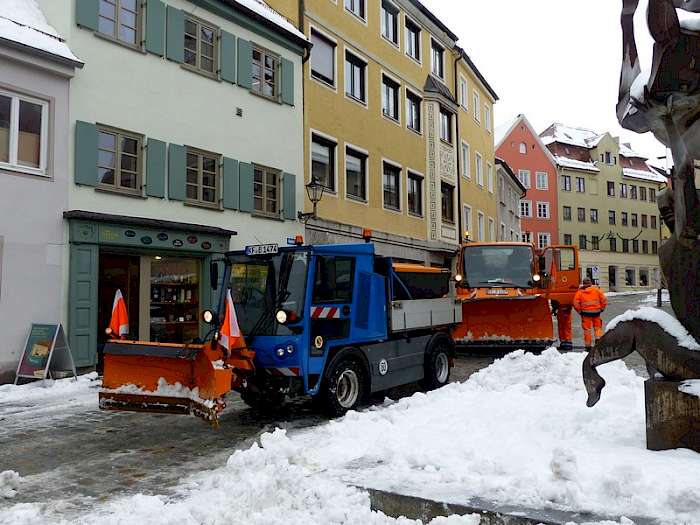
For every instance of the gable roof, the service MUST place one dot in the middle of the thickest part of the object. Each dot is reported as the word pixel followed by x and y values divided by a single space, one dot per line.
pixel 504 130
pixel 501 162
pixel 435 86
pixel 580 137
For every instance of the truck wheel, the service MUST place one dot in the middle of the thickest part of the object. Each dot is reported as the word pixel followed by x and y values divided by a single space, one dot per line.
pixel 344 389
pixel 437 366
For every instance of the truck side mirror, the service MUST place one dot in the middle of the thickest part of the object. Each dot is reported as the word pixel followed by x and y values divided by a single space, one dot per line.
pixel 214 275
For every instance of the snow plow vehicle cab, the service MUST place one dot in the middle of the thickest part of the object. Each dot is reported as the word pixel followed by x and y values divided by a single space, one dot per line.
pixel 505 289
pixel 336 322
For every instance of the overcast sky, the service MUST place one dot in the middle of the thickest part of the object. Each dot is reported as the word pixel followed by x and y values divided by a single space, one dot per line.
pixel 553 60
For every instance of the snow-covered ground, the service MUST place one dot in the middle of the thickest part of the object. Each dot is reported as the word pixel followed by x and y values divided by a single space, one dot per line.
pixel 516 433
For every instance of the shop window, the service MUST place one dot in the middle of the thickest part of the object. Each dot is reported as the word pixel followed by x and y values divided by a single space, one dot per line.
pixel 23 133
pixel 334 280
pixel 630 277
pixel 120 20
pixel 174 302
pixel 120 160
pixel 200 46
pixel 643 277
pixel 266 191
pixel 202 178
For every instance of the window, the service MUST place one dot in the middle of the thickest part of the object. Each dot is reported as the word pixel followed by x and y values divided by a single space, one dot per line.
pixel 613 244
pixel 654 247
pixel 445 125
pixel 479 170
pixel 633 192
pixel 390 98
pixel 643 277
pixel 120 19
pixel 652 195
pixel 630 277
pixel 567 238
pixel 390 22
pixel 334 280
pixel 623 219
pixel 323 58
pixel 203 178
pixel 447 192
pixel 642 193
pixel 466 161
pixel 413 40
pixel 543 210
pixel 489 178
pixel 503 232
pixel 580 185
pixel 635 246
pixel 119 160
pixel 477 106
pixel 415 194
pixel 323 161
pixel 356 7
pixel 487 117
pixel 467 221
pixel 265 72
pixel 611 217
pixel 611 189
pixel 625 245
pixel 567 213
pixel 413 112
pixel 566 183
pixel 355 81
pixel 355 174
pixel 594 216
pixel 463 93
pixel 526 237
pixel 652 220
pixel 492 230
pixel 526 208
pixel 635 220
pixel 623 191
pixel 595 242
pixel 542 240
pixel 200 47
pixel 437 59
pixel 542 180
pixel 23 133
pixel 480 226
pixel 523 148
pixel 392 186
pixel 266 190
pixel 645 246
pixel 524 176
pixel 581 214
pixel 582 242
pixel 609 158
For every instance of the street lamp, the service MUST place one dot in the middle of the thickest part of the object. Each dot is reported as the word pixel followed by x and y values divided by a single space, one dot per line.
pixel 314 190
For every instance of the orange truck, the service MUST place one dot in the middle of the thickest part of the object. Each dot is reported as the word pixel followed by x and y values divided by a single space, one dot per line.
pixel 509 291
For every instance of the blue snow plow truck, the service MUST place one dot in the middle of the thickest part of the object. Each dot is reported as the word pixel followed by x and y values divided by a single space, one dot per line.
pixel 336 322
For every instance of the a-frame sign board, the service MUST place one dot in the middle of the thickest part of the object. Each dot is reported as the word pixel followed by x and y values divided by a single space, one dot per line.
pixel 45 351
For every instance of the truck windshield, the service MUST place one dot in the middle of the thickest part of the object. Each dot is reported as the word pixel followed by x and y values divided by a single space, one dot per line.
pixel 498 266
pixel 260 286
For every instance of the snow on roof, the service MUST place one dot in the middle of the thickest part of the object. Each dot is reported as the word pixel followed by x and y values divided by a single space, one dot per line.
pixel 23 22
pixel 263 9
pixel 643 175
pixel 500 131
pixel 627 151
pixel 566 162
pixel 583 138
pixel 667 322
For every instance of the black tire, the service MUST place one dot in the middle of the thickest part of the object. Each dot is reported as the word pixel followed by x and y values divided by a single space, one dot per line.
pixel 263 403
pixel 437 364
pixel 343 389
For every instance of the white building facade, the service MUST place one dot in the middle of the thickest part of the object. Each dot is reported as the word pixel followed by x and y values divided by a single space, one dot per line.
pixel 510 192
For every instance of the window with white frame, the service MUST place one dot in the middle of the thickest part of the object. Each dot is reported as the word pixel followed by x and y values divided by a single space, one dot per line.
pixel 524 177
pixel 390 98
pixel 542 180
pixel 463 93
pixel 356 7
pixel 467 221
pixel 480 225
pixel 413 40
pixel 477 106
pixel 323 58
pixel 489 177
pixel 487 117
pixel 466 161
pixel 355 77
pixel 479 169
pixel 543 210
pixel 526 237
pixel 390 22
pixel 355 174
pixel 445 125
pixel 523 148
pixel 23 133
pixel 437 59
pixel 526 208
pixel 413 111
pixel 323 161
pixel 492 230
pixel 543 240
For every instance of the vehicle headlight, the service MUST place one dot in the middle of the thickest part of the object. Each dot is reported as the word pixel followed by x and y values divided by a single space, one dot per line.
pixel 208 316
pixel 280 352
pixel 537 278
pixel 281 317
pixel 458 278
pixel 290 349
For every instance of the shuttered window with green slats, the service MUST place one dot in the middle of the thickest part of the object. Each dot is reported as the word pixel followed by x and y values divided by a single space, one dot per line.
pixel 120 20
pixel 119 160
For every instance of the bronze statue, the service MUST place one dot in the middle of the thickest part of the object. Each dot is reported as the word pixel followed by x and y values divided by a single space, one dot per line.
pixel 666 101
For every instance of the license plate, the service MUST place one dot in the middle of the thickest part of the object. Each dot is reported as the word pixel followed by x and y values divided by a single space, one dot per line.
pixel 497 292
pixel 262 249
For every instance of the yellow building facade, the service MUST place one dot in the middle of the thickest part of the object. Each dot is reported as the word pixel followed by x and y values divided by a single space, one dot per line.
pixel 384 128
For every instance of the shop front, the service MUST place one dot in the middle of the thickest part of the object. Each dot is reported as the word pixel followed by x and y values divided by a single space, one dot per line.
pixel 160 267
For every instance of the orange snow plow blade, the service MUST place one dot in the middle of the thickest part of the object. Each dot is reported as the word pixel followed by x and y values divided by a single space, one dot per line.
pixel 170 378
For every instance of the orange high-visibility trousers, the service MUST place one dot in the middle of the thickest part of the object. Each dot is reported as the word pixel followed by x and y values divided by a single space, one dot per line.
pixel 566 333
pixel 590 325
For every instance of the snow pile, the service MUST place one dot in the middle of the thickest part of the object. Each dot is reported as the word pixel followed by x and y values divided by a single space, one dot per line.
pixel 9 483
pixel 566 162
pixel 22 21
pixel 164 389
pixel 691 387
pixel 668 323
pixel 48 389
pixel 643 175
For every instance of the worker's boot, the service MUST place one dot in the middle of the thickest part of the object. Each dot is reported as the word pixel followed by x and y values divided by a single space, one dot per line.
pixel 566 346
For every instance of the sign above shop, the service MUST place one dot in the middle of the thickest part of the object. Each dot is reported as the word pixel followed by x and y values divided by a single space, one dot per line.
pixel 45 351
pixel 262 249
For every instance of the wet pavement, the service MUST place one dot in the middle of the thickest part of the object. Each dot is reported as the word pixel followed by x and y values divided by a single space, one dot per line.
pixel 68 449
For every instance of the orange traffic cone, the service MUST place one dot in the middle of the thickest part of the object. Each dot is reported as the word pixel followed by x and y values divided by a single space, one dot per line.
pixel 230 334
pixel 119 324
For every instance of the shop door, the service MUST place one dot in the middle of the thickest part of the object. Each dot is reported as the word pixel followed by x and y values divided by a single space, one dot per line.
pixel 118 272
pixel 612 278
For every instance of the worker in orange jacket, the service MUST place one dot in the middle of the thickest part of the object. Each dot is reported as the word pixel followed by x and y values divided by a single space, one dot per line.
pixel 590 302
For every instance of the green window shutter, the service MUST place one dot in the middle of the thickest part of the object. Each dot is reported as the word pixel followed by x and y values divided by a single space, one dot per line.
pixel 228 57
pixel 176 172
pixel 287 81
pixel 231 184
pixel 82 303
pixel 86 13
pixel 175 35
pixel 245 64
pixel 245 197
pixel 155 168
pixel 85 153
pixel 289 196
pixel 155 27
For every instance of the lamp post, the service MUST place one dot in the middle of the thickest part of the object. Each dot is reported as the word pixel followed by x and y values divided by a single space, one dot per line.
pixel 314 190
